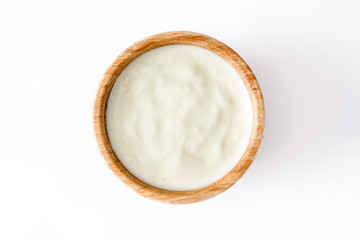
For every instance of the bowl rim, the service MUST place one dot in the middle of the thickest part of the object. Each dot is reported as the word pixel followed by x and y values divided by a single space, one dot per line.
pixel 176 38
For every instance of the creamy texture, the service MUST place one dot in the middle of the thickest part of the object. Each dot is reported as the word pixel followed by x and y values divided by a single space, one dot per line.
pixel 179 117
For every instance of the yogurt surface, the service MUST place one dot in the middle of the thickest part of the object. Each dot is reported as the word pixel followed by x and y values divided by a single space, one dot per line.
pixel 179 117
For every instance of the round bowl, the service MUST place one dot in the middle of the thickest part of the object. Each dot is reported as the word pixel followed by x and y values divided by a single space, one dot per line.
pixel 185 38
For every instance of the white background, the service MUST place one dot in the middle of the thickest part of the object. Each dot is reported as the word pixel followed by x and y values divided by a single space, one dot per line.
pixel 304 183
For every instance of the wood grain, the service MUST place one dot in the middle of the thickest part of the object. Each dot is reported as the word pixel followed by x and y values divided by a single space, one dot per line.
pixel 187 38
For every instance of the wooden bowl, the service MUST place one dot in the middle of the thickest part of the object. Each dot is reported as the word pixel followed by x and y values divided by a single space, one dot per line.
pixel 186 38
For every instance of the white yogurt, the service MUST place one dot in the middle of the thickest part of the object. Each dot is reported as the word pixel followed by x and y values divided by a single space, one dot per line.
pixel 179 117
